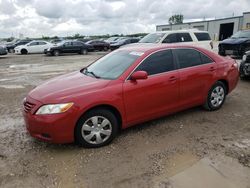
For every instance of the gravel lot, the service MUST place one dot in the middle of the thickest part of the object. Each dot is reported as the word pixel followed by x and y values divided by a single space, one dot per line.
pixel 147 155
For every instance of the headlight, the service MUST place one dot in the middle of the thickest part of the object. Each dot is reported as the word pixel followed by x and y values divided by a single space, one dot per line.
pixel 48 49
pixel 54 108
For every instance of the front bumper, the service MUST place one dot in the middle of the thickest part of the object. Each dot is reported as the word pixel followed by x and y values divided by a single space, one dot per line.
pixel 230 49
pixel 54 128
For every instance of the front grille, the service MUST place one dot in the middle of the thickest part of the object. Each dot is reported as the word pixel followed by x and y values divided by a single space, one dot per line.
pixel 27 106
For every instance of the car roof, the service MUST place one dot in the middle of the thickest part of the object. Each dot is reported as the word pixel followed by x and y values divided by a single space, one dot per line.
pixel 148 47
pixel 181 31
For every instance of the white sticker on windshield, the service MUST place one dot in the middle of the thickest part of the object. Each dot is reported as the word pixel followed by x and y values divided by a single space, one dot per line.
pixel 136 53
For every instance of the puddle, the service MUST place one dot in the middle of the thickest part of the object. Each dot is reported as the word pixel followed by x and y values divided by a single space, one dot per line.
pixel 12 86
pixel 223 172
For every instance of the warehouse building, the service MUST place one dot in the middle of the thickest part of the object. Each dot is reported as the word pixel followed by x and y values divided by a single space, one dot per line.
pixel 218 29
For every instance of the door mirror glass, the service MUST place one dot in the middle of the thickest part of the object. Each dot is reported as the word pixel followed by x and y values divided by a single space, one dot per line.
pixel 139 75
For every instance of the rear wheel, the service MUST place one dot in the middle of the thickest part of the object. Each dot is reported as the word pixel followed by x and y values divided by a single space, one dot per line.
pixel 56 53
pixel 105 48
pixel 84 51
pixel 216 96
pixel 24 51
pixel 96 128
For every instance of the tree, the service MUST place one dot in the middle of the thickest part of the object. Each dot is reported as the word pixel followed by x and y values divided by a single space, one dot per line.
pixel 176 19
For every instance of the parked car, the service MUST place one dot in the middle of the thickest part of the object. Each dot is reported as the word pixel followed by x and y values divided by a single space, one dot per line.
pixel 10 47
pixel 35 46
pixel 3 50
pixel 194 37
pixel 55 41
pixel 123 42
pixel 67 47
pixel 126 87
pixel 236 45
pixel 245 66
pixel 112 40
pixel 99 45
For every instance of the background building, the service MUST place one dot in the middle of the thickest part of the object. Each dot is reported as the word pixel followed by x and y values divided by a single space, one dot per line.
pixel 218 29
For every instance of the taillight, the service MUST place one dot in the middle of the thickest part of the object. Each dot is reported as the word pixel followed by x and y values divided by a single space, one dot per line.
pixel 211 44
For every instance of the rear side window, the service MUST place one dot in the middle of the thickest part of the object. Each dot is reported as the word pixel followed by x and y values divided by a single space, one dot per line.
pixel 185 37
pixel 202 36
pixel 171 38
pixel 158 62
pixel 188 57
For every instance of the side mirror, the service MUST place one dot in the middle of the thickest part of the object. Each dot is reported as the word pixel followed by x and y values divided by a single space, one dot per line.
pixel 139 75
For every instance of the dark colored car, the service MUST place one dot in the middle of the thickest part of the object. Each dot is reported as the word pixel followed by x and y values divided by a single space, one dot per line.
pixel 11 47
pixel 126 87
pixel 245 66
pixel 123 42
pixel 236 45
pixel 67 47
pixel 3 50
pixel 99 45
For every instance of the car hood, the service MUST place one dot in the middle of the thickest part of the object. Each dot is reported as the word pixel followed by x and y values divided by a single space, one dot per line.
pixel 234 40
pixel 66 87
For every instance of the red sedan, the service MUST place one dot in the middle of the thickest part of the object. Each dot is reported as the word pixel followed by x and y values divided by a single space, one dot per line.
pixel 126 87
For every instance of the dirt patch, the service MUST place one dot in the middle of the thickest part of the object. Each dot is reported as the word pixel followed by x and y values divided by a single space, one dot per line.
pixel 146 155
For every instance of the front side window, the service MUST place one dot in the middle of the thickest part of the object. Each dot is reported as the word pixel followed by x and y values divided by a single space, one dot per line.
pixel 112 65
pixel 158 62
pixel 33 43
pixel 42 43
pixel 188 57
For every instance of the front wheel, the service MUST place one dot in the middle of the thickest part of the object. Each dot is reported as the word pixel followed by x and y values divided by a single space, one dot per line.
pixel 216 96
pixel 96 128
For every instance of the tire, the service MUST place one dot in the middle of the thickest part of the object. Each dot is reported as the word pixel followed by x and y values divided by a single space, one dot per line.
pixel 84 51
pixel 96 128
pixel 56 53
pixel 105 48
pixel 11 50
pixel 216 96
pixel 24 52
pixel 242 74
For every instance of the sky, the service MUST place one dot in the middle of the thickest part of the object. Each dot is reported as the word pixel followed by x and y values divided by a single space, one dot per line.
pixel 34 18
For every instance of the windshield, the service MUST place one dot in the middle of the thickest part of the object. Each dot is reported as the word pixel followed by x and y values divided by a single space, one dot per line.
pixel 152 38
pixel 241 34
pixel 112 65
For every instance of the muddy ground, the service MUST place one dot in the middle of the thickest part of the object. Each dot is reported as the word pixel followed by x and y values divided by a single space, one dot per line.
pixel 147 155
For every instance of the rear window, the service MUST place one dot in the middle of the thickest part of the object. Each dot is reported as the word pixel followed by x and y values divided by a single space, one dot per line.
pixel 202 36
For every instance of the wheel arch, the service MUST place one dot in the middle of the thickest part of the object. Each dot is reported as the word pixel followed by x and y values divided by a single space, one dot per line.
pixel 111 108
pixel 225 82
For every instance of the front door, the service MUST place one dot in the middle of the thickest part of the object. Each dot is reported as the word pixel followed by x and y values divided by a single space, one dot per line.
pixel 156 95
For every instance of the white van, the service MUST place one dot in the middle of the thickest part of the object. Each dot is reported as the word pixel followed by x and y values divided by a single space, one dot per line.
pixel 195 37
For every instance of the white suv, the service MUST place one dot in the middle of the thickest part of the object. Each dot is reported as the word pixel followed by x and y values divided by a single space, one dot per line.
pixel 195 37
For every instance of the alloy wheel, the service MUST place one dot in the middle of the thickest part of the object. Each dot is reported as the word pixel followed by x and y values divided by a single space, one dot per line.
pixel 96 130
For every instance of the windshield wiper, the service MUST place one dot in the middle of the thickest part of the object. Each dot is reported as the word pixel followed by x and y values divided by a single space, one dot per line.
pixel 91 72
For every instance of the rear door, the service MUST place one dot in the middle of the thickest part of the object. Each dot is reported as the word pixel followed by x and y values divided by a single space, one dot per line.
pixel 197 74
pixel 67 47
pixel 156 95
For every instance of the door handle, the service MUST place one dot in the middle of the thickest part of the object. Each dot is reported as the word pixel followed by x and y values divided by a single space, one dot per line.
pixel 172 79
pixel 211 69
